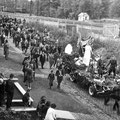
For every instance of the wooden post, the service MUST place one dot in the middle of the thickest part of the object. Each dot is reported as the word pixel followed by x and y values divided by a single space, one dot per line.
pixel 30 7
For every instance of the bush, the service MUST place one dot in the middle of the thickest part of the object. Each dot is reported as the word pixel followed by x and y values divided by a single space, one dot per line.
pixel 111 47
pixel 10 115
pixel 56 33
pixel 98 44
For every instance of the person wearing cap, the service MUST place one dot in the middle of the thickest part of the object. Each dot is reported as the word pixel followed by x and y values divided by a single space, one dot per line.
pixel 51 78
pixel 1 92
pixel 9 88
pixel 40 108
pixel 26 98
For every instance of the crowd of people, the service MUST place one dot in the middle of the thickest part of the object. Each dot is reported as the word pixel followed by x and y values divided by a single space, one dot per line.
pixel 37 51
pixel 36 46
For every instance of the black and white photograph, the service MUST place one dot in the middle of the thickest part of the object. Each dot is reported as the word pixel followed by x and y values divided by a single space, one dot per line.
pixel 59 59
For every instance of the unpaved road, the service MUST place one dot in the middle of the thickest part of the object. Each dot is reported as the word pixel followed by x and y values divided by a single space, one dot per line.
pixel 71 97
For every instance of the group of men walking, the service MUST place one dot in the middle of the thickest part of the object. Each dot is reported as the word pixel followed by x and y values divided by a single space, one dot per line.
pixel 31 42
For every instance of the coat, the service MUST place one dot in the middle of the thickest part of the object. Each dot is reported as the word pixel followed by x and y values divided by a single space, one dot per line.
pixel 9 86
pixel 6 48
pixel 42 58
pixel 59 76
pixel 51 78
pixel 29 75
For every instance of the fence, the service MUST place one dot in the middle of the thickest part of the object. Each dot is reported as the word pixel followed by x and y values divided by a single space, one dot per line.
pixel 70 26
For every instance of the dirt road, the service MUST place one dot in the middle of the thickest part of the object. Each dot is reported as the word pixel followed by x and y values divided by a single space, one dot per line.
pixel 70 97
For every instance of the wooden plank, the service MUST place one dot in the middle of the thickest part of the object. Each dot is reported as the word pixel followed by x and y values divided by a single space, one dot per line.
pixel 19 109
pixel 14 79
pixel 64 115
pixel 17 100
pixel 21 89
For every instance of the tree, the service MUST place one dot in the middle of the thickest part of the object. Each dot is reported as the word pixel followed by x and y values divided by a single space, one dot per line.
pixel 87 7
pixel 105 8
pixel 115 9
pixel 71 8
pixel 55 4
pixel 10 115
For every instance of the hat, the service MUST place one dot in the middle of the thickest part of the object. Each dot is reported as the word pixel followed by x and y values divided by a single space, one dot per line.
pixel 28 90
pixel 1 81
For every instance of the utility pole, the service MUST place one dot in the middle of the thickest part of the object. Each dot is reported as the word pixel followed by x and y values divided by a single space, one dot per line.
pixel 15 5
pixel 4 4
pixel 38 2
pixel 50 1
pixel 49 7
pixel 30 6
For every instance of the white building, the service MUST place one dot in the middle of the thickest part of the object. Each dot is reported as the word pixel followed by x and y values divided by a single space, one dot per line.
pixel 83 17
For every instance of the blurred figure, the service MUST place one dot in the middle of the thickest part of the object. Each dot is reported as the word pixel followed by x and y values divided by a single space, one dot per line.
pixel 10 91
pixel 2 91
pixel 51 113
pixel 26 98
pixel 113 65
pixel 6 49
pixel 40 106
pixel 29 75
pixel 100 67
pixel 59 77
pixel 51 78
pixel 51 60
pixel 42 59
pixel 47 105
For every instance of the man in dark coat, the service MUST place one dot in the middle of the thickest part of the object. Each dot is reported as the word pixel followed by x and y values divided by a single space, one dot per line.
pixel 10 91
pixel 2 37
pixel 1 91
pixel 51 78
pixel 42 59
pixel 6 49
pixel 56 56
pixel 25 64
pixel 26 98
pixel 59 77
pixel 40 106
pixel 113 65
pixel 35 56
pixel 100 67
pixel 6 31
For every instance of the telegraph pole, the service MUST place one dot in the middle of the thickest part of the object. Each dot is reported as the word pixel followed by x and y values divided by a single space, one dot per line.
pixel 49 8
pixel 4 4
pixel 50 1
pixel 38 7
pixel 15 5
pixel 30 7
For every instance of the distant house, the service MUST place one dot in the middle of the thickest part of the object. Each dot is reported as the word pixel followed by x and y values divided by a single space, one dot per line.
pixel 83 17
